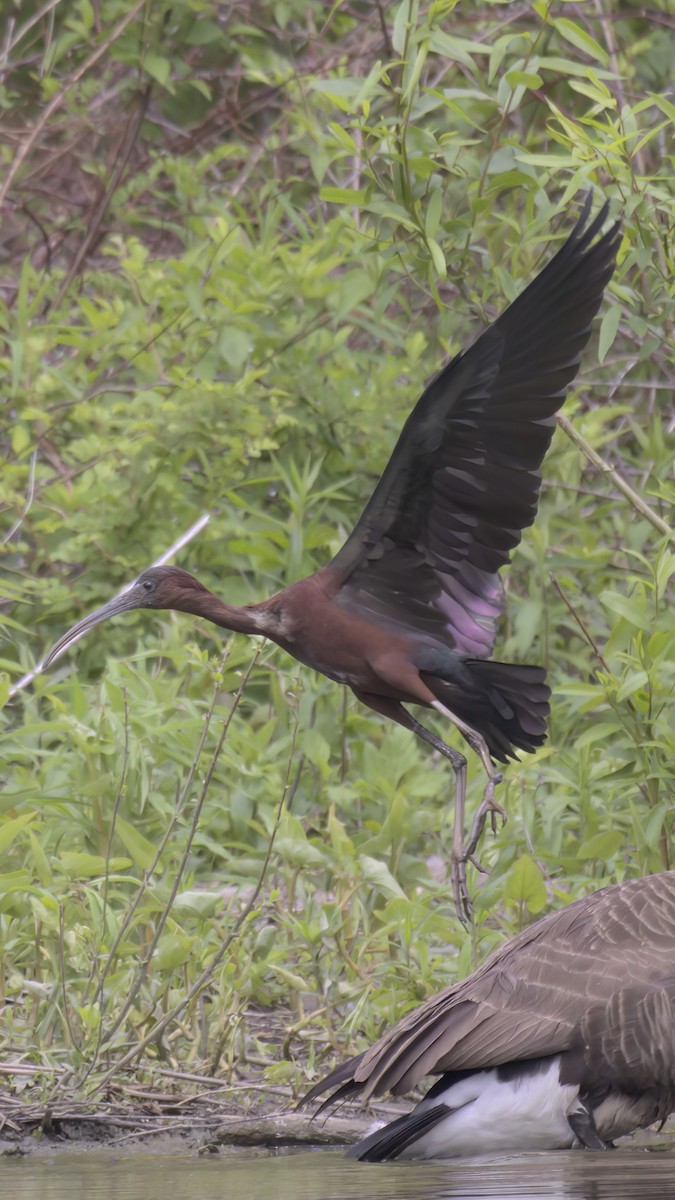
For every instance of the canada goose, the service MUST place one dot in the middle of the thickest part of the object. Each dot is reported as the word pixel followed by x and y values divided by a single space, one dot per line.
pixel 564 1035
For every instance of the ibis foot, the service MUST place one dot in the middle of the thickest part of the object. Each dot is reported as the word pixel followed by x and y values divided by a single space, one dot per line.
pixel 460 887
pixel 460 892
pixel 467 852
pixel 487 807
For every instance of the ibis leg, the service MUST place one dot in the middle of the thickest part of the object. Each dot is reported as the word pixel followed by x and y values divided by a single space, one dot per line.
pixel 460 853
pixel 488 805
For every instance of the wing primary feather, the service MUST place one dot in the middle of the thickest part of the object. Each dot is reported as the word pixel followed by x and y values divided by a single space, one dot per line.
pixel 463 480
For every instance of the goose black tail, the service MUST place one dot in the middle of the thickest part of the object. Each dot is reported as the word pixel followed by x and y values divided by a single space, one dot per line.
pixel 393 1139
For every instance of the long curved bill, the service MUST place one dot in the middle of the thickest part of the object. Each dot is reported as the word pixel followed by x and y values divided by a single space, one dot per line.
pixel 119 604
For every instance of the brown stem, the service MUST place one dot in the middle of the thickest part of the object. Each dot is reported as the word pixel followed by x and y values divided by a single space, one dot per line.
pixel 100 207
pixel 58 97
pixel 599 463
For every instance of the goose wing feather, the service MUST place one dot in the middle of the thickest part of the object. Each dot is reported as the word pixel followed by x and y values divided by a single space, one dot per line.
pixel 629 1042
pixel 529 997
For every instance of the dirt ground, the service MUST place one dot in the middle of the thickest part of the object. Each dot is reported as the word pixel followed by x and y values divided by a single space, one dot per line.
pixel 193 1113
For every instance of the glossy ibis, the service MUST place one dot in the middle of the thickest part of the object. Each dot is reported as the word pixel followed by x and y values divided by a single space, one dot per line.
pixel 565 1033
pixel 407 610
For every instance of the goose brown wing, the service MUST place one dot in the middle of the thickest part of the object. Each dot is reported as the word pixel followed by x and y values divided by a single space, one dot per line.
pixel 528 998
pixel 629 1042
pixel 463 480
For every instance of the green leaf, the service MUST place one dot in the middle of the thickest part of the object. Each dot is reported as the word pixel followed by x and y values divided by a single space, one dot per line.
pixel 599 732
pixel 198 903
pixel 355 287
pixel 665 570
pixel 336 195
pixel 456 49
pixel 525 885
pixel 86 10
pixel 596 92
pixel 398 32
pixel 78 865
pixel 42 867
pixel 434 209
pixel 395 212
pixel 10 882
pixel 438 257
pixel 345 139
pixel 578 37
pixel 370 87
pixel 632 612
pixel 378 875
pixel 341 92
pixel 656 822
pixel 141 850
pixel 10 829
pixel 602 846
pixel 498 52
pixel 294 982
pixel 526 79
pixel 298 852
pixel 204 33
pixel 235 346
pixel 201 86
pixel 293 847
pixel 315 746
pixel 172 950
pixel 608 331
pixel 635 681
pixel 412 79
pixel 158 68
pixel 340 841
pixel 658 101
pixel 20 438
pixel 90 1015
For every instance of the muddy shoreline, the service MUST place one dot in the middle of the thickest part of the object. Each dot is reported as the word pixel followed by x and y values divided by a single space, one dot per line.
pixel 199 1118
pixel 196 1128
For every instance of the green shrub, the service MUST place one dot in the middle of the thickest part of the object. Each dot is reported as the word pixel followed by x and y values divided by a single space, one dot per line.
pixel 233 257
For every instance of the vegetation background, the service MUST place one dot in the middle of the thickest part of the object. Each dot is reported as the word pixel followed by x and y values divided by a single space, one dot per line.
pixel 236 240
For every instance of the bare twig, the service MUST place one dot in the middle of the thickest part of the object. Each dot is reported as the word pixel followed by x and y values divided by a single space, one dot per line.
pixel 12 42
pixel 29 500
pixel 64 987
pixel 101 205
pixel 178 875
pixel 169 1018
pixel 619 482
pixel 58 97
pixel 111 833
pixel 585 632
pixel 635 734
pixel 148 874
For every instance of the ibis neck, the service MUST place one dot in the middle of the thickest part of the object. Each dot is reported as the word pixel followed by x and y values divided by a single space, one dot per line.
pixel 249 619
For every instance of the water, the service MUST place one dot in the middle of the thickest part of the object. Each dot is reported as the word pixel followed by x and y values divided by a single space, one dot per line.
pixel 624 1174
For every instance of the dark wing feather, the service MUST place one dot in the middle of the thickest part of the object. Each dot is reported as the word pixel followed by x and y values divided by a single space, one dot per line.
pixel 390 1142
pixel 463 480
pixel 629 1042
pixel 529 997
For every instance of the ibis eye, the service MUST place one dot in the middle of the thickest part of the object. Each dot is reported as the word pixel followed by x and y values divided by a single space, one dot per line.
pixel 148 585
